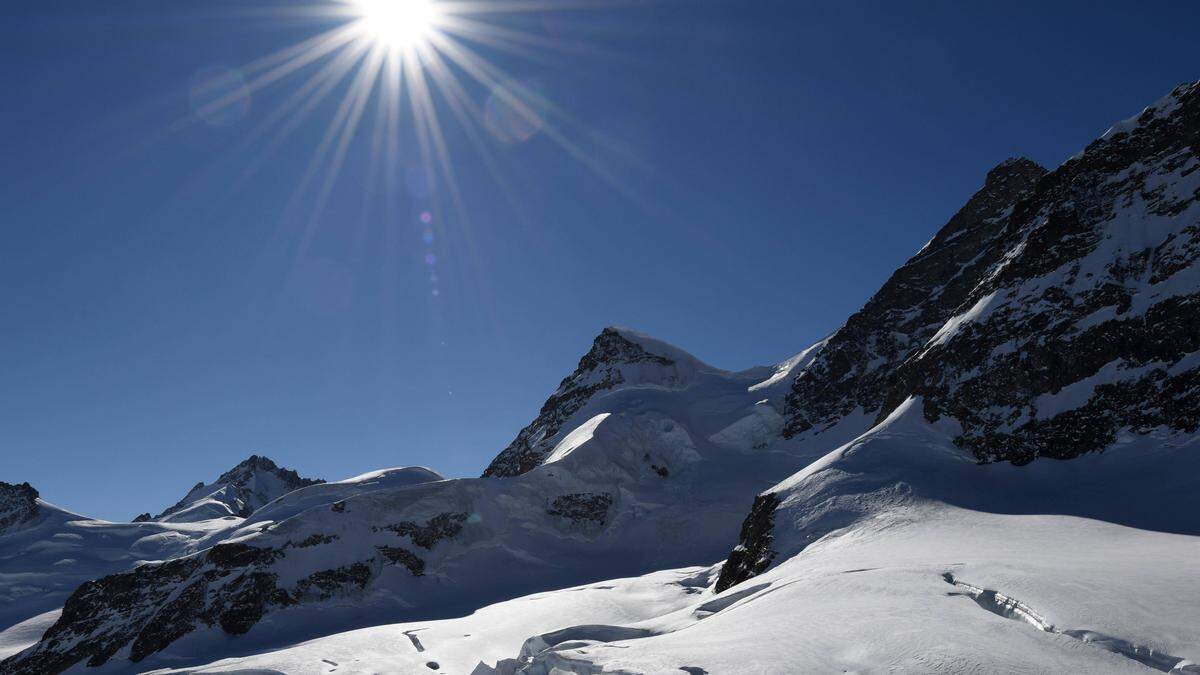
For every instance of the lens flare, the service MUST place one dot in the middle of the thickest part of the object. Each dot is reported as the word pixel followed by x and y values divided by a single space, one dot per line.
pixel 399 24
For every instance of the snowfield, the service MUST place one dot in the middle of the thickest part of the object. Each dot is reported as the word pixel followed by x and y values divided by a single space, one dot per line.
pixel 886 575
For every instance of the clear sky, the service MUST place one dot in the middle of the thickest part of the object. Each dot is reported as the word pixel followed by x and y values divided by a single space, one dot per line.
pixel 190 273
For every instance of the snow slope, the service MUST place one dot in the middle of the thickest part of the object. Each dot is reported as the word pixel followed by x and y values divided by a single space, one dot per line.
pixel 52 551
pixel 45 558
pixel 900 553
pixel 652 469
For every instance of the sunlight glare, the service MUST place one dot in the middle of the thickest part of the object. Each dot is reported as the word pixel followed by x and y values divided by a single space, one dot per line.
pixel 400 24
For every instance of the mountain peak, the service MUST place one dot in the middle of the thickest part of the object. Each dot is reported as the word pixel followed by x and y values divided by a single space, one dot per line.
pixel 1021 167
pixel 621 344
pixel 618 357
pixel 242 470
pixel 239 491
pixel 18 504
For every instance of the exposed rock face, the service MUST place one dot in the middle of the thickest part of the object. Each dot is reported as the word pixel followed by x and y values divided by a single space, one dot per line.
pixel 754 554
pixel 855 367
pixel 440 527
pixel 1073 316
pixel 1039 283
pixel 243 489
pixel 18 504
pixel 1098 286
pixel 582 508
pixel 599 370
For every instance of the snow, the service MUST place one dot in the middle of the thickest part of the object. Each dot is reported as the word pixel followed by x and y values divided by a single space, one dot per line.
pixel 875 599
pixel 785 372
pixel 17 637
pixel 488 635
pixel 42 562
pixel 577 437
pixel 951 328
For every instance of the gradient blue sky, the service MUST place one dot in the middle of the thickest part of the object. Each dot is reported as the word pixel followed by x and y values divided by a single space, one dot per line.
pixel 767 165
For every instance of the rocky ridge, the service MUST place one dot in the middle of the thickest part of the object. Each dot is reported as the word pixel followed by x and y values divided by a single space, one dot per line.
pixel 1076 325
pixel 245 488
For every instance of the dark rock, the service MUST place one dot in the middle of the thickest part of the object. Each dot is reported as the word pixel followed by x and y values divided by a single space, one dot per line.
pixel 18 504
pixel 753 553
pixel 440 527
pixel 405 557
pixel 582 507
pixel 313 540
pixel 327 583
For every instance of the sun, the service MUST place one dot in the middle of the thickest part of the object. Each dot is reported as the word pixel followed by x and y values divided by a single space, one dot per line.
pixel 398 24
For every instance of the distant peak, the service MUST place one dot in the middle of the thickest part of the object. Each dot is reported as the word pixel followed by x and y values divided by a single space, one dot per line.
pixel 250 484
pixel 621 344
pixel 259 463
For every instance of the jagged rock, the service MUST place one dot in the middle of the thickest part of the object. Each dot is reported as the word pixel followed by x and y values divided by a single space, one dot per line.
pixel 18 504
pixel 239 492
pixel 1075 319
pixel 143 518
pixel 753 553
pixel 1007 305
pixel 855 367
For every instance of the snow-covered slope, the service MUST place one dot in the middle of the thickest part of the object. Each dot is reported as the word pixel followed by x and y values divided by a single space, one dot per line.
pixel 651 470
pixel 47 551
pixel 238 492
pixel 898 552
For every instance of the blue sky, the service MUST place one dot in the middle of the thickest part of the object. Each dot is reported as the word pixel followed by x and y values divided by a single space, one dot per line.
pixel 174 296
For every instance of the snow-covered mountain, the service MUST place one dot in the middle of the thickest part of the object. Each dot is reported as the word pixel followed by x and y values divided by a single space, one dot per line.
pixel 990 467
pixel 238 492
pixel 1080 330
pixel 952 536
pixel 644 459
pixel 46 552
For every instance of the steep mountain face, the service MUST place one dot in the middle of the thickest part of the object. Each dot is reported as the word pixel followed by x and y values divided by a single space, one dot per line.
pixel 855 367
pixel 238 492
pixel 613 360
pixel 18 505
pixel 1038 284
pixel 1079 333
pixel 650 470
